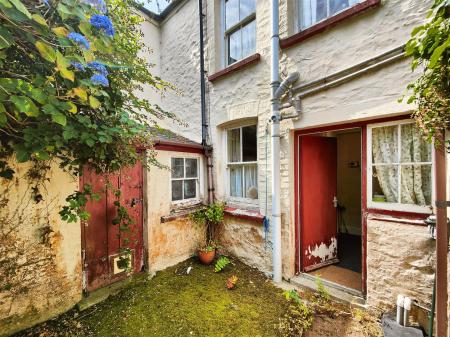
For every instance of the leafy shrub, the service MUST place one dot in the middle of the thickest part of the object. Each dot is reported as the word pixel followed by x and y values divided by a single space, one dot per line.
pixel 221 263
pixel 297 319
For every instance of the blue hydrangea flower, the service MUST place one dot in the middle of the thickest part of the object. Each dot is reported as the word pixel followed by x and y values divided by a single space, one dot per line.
pixel 99 5
pixel 78 66
pixel 98 79
pixel 79 40
pixel 102 22
pixel 98 67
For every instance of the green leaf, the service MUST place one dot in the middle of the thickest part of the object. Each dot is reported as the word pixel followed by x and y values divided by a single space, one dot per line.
pixel 25 105
pixel 438 53
pixel 94 102
pixel 59 118
pixel 6 3
pixel 47 52
pixel 62 64
pixel 6 38
pixel 39 19
pixel 3 118
pixel 20 7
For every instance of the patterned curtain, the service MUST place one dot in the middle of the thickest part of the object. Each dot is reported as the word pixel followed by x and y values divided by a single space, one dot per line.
pixel 384 150
pixel 416 179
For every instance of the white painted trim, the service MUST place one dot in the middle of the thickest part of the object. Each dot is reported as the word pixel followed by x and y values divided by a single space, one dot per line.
pixel 199 186
pixel 236 200
pixel 386 205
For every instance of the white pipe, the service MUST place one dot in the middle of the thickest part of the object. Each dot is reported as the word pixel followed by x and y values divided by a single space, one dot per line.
pixel 276 212
pixel 400 301
pixel 406 310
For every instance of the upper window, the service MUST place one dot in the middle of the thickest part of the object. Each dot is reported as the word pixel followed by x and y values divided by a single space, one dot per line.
pixel 400 168
pixel 240 29
pixel 184 178
pixel 314 11
pixel 242 162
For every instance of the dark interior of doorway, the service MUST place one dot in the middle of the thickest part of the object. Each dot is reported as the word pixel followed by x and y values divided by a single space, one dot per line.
pixel 347 272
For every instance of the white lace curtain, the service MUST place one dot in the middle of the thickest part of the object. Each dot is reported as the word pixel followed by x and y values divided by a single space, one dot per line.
pixel 413 164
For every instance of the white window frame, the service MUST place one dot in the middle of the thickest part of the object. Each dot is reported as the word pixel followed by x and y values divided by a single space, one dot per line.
pixel 395 206
pixel 196 199
pixel 240 200
pixel 225 32
pixel 299 16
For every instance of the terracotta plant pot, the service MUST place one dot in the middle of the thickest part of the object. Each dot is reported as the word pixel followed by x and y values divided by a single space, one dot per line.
pixel 206 257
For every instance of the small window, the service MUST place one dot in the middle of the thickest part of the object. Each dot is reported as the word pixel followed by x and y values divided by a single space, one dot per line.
pixel 184 178
pixel 400 167
pixel 314 11
pixel 242 162
pixel 240 29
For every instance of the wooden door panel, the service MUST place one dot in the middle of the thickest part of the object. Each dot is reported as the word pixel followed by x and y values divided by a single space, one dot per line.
pixel 102 240
pixel 318 187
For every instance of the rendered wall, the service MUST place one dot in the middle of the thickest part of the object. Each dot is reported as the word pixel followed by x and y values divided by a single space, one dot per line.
pixel 173 241
pixel 40 262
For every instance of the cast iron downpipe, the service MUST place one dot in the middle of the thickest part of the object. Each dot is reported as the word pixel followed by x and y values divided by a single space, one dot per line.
pixel 441 240
pixel 206 146
pixel 277 91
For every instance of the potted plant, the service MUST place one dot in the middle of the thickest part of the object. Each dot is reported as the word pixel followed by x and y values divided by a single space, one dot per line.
pixel 209 216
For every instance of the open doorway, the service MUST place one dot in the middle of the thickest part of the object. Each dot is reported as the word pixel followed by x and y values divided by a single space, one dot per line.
pixel 330 206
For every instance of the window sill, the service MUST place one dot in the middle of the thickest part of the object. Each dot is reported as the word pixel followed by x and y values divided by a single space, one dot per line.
pixel 181 213
pixel 237 66
pixel 244 214
pixel 409 218
pixel 328 23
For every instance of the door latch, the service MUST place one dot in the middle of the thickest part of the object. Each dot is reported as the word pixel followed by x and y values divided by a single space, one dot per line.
pixel 335 202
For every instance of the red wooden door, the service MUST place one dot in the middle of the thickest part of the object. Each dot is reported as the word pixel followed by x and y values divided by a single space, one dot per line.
pixel 103 241
pixel 318 188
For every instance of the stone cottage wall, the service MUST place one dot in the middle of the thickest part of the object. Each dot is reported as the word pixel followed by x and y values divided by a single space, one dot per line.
pixel 40 262
pixel 400 260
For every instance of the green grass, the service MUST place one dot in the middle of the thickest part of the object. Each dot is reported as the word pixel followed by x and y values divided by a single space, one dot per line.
pixel 172 304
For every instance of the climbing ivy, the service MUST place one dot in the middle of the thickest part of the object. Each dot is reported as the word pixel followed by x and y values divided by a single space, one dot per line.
pixel 429 48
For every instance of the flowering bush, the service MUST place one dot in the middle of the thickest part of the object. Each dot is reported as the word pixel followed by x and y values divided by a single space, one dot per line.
pixel 70 73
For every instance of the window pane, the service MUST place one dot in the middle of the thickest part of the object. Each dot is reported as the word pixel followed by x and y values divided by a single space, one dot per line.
pixel 177 190
pixel 189 189
pixel 249 143
pixel 247 7
pixel 249 39
pixel 384 144
pixel 385 183
pixel 416 185
pixel 414 148
pixel 337 6
pixel 191 168
pixel 236 181
pixel 231 13
pixel 234 145
pixel 321 10
pixel 177 167
pixel 251 181
pixel 234 47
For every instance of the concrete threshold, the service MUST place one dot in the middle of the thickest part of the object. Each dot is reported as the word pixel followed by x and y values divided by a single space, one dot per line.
pixel 336 291
pixel 102 294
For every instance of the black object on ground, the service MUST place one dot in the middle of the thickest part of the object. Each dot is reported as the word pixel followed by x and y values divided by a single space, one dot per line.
pixel 392 329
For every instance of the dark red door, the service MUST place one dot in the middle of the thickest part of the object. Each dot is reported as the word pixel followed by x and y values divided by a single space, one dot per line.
pixel 104 243
pixel 318 189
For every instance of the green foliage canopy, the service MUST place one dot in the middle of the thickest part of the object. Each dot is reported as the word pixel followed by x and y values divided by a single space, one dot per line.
pixel 429 47
pixel 70 76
